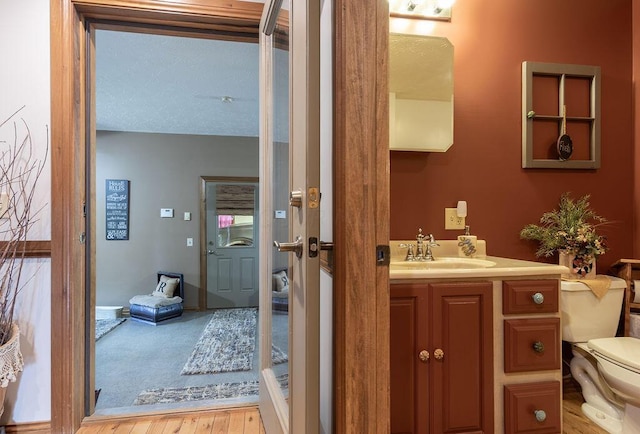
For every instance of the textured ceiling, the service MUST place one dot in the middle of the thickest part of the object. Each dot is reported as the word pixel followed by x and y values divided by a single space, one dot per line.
pixel 176 85
pixel 171 84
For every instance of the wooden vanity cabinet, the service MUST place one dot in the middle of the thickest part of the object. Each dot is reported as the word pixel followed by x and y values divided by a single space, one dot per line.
pixel 532 346
pixel 533 408
pixel 442 358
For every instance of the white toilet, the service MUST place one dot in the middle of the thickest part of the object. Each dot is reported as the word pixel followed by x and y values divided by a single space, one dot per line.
pixel 607 367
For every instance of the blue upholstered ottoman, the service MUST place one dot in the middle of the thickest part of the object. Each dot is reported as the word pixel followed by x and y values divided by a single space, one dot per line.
pixel 164 303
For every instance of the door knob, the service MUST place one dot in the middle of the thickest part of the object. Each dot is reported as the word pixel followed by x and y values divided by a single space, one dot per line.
pixel 438 354
pixel 424 355
pixel 295 246
pixel 212 252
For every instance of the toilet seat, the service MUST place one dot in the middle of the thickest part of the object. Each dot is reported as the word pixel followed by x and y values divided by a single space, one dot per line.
pixel 619 365
pixel 622 351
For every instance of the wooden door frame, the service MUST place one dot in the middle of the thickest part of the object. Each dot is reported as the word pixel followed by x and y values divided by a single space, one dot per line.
pixel 361 192
pixel 361 216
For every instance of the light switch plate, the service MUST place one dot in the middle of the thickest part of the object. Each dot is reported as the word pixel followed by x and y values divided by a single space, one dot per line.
pixel 187 216
pixel 451 219
pixel 189 242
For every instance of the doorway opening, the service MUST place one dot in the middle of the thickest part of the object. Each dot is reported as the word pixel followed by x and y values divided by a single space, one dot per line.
pixel 168 108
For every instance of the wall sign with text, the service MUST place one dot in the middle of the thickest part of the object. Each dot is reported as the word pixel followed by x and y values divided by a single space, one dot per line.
pixel 117 209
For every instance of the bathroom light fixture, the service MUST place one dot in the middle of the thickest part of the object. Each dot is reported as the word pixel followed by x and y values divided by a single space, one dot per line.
pixel 421 9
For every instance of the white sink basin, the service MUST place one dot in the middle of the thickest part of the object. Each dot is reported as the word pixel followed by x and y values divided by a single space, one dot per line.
pixel 442 263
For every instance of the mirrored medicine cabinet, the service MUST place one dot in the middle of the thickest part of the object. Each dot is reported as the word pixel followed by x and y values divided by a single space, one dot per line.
pixel 421 93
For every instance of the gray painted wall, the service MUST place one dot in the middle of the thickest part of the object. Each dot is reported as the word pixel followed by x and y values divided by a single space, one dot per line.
pixel 165 172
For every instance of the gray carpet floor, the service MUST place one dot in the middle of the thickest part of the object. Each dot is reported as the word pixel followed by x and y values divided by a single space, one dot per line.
pixel 135 357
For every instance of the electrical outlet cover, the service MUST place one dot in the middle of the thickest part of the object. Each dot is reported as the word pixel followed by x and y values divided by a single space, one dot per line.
pixel 451 219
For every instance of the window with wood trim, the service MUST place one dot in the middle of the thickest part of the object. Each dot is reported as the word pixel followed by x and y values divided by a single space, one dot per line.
pixel 560 116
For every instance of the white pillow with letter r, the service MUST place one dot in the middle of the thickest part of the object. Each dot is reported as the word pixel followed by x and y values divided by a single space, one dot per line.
pixel 280 281
pixel 166 286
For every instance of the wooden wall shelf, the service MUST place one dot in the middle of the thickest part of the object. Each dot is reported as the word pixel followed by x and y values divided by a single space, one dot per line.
pixel 629 270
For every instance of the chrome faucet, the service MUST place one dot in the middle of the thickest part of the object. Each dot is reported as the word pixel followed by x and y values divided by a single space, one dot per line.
pixel 423 247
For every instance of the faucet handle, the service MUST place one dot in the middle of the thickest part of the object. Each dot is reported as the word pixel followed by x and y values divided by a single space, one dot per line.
pixel 432 240
pixel 410 255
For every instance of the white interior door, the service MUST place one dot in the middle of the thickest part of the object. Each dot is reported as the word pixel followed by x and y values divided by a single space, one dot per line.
pixel 232 243
pixel 290 51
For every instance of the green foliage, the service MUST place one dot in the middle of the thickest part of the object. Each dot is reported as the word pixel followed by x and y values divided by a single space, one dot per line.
pixel 571 228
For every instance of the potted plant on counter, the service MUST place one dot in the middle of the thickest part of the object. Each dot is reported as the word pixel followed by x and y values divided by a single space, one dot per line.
pixel 19 174
pixel 570 230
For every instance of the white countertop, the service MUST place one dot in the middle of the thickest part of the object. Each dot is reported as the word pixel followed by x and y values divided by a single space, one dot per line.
pixel 504 267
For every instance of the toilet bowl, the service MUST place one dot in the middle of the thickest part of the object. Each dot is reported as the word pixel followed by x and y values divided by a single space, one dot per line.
pixel 606 367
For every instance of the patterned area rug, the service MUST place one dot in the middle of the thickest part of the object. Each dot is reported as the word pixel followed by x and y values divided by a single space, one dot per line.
pixel 104 326
pixel 227 344
pixel 198 393
pixel 277 355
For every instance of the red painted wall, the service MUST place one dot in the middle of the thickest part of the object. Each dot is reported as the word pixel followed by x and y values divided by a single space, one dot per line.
pixel 636 106
pixel 483 167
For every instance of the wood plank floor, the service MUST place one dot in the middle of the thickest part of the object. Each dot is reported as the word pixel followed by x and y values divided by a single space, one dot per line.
pixel 237 421
pixel 574 422
pixel 247 421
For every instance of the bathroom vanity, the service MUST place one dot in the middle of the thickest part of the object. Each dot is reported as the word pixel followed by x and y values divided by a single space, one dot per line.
pixel 475 346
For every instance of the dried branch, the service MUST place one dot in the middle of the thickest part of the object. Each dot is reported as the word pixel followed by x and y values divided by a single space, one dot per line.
pixel 20 171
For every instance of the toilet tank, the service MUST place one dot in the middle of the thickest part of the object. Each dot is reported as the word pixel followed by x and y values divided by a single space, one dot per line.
pixel 585 316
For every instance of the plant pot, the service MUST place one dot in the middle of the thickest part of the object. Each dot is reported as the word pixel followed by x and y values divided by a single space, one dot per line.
pixel 578 268
pixel 11 362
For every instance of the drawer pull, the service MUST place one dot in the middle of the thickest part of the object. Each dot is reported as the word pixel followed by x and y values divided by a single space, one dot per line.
pixel 538 347
pixel 538 298
pixel 424 356
pixel 438 354
pixel 541 416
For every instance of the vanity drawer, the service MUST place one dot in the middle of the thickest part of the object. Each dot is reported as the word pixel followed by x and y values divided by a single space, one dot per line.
pixel 529 296
pixel 531 344
pixel 532 408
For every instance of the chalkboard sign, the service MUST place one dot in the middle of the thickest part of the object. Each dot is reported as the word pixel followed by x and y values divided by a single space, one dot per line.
pixel 117 209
